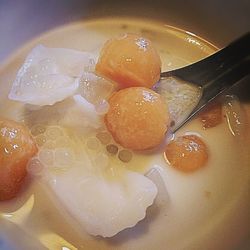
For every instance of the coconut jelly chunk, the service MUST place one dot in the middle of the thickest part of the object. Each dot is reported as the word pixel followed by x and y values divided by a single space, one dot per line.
pixel 100 203
pixel 49 75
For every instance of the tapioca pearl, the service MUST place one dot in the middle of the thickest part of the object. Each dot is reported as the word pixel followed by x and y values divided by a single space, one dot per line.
pixel 40 140
pixel 35 167
pixel 64 157
pixel 125 155
pixel 46 156
pixel 104 137
pixel 38 129
pixel 112 149
pixel 54 132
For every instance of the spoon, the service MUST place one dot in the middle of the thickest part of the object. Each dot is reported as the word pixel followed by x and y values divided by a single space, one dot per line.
pixel 208 78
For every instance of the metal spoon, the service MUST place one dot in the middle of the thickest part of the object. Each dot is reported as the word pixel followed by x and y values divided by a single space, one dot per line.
pixel 212 76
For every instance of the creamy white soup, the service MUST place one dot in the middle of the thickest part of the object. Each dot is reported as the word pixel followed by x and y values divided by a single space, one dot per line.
pixel 205 209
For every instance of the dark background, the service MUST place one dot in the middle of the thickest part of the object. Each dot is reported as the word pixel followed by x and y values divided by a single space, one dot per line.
pixel 218 21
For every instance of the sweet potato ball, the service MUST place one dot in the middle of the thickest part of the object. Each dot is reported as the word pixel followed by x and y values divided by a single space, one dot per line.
pixel 130 60
pixel 187 153
pixel 16 149
pixel 138 118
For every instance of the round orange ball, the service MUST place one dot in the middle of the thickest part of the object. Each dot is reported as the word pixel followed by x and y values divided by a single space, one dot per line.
pixel 130 60
pixel 187 153
pixel 16 149
pixel 137 118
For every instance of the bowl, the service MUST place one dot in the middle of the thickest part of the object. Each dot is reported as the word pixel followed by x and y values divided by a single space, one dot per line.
pixel 218 22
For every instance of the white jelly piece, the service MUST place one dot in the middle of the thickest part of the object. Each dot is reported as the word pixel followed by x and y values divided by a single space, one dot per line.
pixel 162 198
pixel 102 107
pixel 48 75
pixel 94 88
pixel 103 206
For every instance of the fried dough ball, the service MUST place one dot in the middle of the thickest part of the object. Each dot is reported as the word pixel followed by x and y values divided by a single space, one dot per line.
pixel 187 153
pixel 130 60
pixel 137 118
pixel 16 149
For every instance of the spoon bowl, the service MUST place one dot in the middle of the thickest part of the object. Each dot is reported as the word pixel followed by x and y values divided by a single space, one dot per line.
pixel 207 78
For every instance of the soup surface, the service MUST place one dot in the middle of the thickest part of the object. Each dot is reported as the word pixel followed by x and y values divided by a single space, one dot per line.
pixel 207 204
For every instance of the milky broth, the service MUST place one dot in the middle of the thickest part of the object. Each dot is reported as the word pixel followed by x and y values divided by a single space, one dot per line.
pixel 204 205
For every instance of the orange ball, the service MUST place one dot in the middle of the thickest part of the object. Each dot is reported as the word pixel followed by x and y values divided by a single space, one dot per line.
pixel 130 60
pixel 16 148
pixel 137 118
pixel 187 153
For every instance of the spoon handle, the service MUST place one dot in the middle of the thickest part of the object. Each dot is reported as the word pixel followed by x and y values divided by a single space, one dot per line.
pixel 203 72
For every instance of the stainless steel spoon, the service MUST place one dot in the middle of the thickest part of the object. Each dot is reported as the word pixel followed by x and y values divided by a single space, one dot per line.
pixel 212 75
